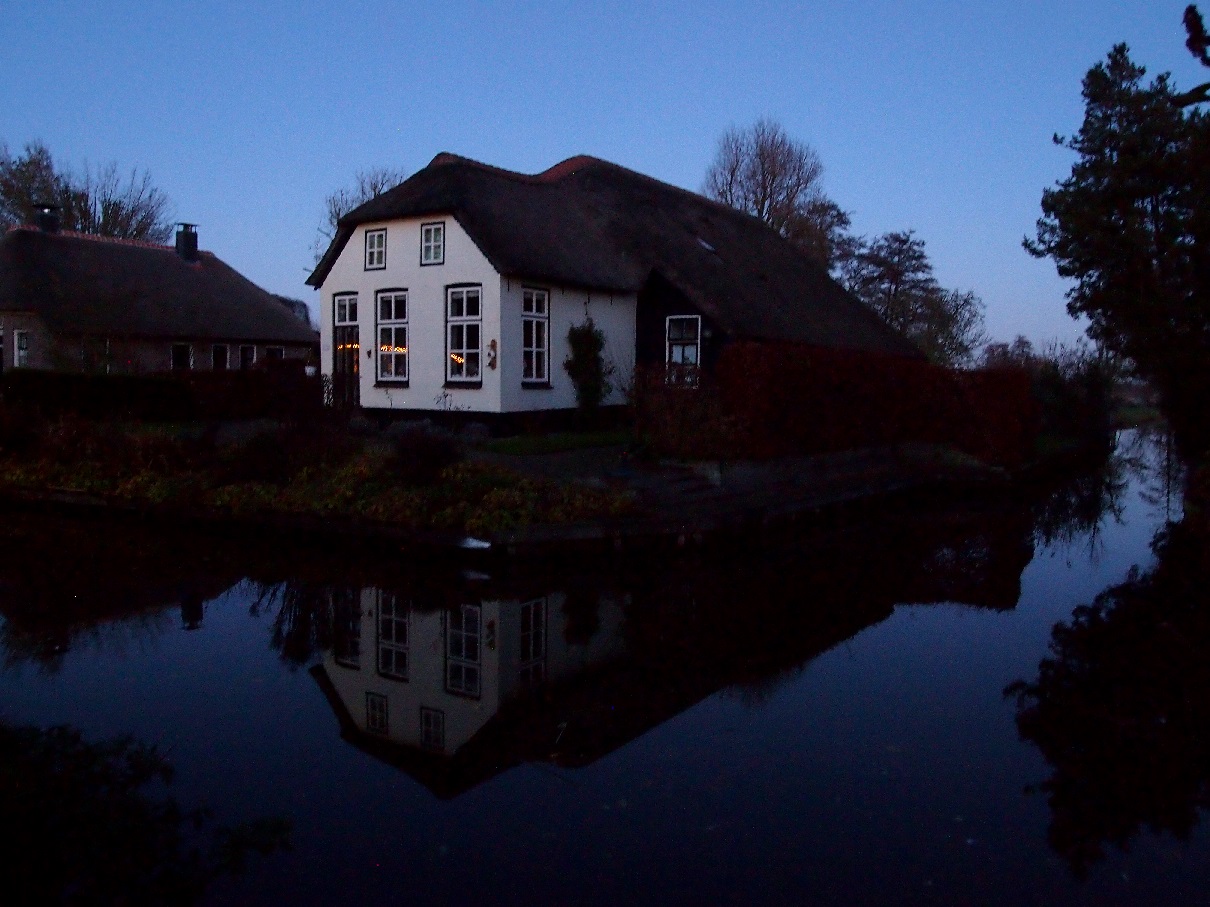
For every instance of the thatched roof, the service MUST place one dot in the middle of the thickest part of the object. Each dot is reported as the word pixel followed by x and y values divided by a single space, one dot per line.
pixel 91 285
pixel 591 224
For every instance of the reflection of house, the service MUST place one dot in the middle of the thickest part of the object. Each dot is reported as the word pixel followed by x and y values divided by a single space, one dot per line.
pixel 432 680
pixel 457 288
pixel 76 302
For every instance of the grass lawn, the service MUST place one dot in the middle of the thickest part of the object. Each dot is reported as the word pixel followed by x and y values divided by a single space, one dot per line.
pixel 558 442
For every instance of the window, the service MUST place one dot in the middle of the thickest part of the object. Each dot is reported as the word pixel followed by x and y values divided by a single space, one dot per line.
pixel 346 636
pixel 533 642
pixel 464 319
pixel 393 614
pixel 432 244
pixel 275 353
pixel 220 357
pixel 683 345
pixel 376 250
pixel 345 309
pixel 21 349
pixel 247 357
pixel 432 729
pixel 535 334
pixel 182 357
pixel 462 650
pixel 393 335
pixel 377 718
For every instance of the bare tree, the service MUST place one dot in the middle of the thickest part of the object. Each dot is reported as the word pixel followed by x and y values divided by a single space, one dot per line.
pixel 762 171
pixel 366 185
pixel 93 201
pixel 1198 42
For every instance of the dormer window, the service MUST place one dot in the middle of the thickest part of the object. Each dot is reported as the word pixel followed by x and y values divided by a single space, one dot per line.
pixel 376 250
pixel 432 244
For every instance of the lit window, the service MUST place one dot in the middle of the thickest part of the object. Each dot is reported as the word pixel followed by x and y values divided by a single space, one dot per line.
pixel 535 336
pixel 683 348
pixel 376 250
pixel 462 635
pixel 432 729
pixel 393 615
pixel 393 335
pixel 432 244
pixel 182 357
pixel 377 718
pixel 464 321
pixel 21 349
pixel 220 357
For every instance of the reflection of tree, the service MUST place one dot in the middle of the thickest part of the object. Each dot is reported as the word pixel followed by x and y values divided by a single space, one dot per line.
pixel 1121 707
pixel 86 830
pixel 1075 508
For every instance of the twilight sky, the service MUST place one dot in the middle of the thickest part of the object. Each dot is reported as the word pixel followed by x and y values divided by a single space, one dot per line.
pixel 934 116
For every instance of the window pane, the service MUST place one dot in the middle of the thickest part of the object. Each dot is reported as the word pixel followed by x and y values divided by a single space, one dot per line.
pixel 472 336
pixel 540 334
pixel 472 304
pixel 457 337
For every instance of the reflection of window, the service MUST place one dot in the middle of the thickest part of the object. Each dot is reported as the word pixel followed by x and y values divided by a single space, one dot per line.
pixel 462 673
pixel 275 353
pixel 535 331
pixel 432 729
pixel 393 335
pixel 377 719
pixel 392 636
pixel 21 349
pixel 432 244
pixel 346 638
pixel 464 319
pixel 182 357
pixel 683 347
pixel 533 642
pixel 247 357
pixel 376 250
pixel 220 357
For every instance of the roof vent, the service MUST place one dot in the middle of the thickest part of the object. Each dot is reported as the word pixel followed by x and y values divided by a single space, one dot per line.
pixel 47 217
pixel 186 241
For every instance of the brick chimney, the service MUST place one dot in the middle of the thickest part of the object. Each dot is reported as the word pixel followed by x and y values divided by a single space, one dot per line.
pixel 186 241
pixel 47 217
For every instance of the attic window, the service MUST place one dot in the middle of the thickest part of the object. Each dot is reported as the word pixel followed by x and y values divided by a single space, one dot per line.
pixel 432 244
pixel 376 250
pixel 705 245
pixel 683 335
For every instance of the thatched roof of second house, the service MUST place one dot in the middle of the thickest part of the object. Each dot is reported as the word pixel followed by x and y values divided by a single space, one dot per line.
pixel 594 225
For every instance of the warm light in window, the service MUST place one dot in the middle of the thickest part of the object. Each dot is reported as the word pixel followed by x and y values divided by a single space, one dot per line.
pixel 457 358
pixel 392 349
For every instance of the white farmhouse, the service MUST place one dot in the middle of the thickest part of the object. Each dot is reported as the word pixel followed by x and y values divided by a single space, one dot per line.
pixel 456 289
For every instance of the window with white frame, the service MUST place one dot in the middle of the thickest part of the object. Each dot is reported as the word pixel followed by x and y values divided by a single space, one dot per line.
pixel 21 349
pixel 247 356
pixel 464 333
pixel 432 244
pixel 376 250
pixel 393 335
pixel 462 650
pixel 220 357
pixel 346 636
pixel 182 357
pixel 377 716
pixel 432 729
pixel 683 344
pixel 393 625
pixel 275 353
pixel 533 642
pixel 344 309
pixel 535 336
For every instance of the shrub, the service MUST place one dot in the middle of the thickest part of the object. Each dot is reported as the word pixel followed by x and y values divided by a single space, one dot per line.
pixel 586 365
pixel 418 457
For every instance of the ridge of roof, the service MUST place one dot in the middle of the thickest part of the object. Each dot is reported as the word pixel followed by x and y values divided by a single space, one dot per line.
pixel 97 237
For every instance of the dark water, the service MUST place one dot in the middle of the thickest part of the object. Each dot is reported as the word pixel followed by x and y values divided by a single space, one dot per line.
pixel 823 722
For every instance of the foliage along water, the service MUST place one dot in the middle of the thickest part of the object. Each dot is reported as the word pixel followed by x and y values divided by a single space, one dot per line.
pixel 826 721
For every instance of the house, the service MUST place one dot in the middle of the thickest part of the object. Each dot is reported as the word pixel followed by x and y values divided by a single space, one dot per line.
pixel 84 303
pixel 461 284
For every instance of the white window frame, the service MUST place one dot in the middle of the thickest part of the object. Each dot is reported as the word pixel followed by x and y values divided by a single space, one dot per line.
pixel 391 351
pixel 172 357
pixel 533 642
pixel 275 353
pixel 252 361
pixel 464 651
pixel 214 359
pixel 535 336
pixel 464 359
pixel 432 729
pixel 346 644
pixel 378 713
pixel 20 349
pixel 394 631
pixel 432 243
pixel 344 309
pixel 376 249
pixel 677 369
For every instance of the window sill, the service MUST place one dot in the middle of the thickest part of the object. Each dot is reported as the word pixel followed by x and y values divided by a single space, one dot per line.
pixel 375 267
pixel 390 384
pixel 536 386
pixel 432 264
pixel 463 385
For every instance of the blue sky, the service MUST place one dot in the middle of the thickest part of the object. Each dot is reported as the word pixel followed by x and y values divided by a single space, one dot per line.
pixel 932 116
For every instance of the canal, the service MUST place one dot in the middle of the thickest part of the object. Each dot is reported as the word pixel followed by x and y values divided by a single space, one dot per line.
pixel 827 720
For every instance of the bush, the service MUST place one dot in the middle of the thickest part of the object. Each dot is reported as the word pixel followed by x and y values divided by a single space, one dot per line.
pixel 418 457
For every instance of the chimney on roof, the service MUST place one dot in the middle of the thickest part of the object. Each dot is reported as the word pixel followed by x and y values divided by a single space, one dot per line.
pixel 47 217
pixel 186 241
